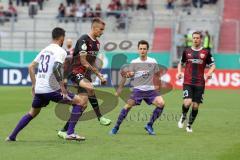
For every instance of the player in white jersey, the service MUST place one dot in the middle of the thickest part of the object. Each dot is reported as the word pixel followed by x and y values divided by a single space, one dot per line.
pixel 48 85
pixel 145 74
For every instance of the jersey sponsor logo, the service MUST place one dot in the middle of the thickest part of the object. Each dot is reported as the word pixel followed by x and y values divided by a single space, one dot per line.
pixel 144 74
pixel 196 61
pixel 93 53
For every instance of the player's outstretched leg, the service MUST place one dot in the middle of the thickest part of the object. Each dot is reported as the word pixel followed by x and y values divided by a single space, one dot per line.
pixel 94 102
pixel 122 116
pixel 159 103
pixel 192 117
pixel 185 107
pixel 75 115
pixel 23 123
pixel 79 105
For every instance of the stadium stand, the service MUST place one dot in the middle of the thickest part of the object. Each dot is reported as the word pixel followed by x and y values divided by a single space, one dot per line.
pixel 229 41
pixel 160 25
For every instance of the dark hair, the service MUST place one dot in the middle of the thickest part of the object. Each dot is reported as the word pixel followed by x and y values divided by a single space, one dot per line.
pixel 143 42
pixel 57 33
pixel 97 20
pixel 197 32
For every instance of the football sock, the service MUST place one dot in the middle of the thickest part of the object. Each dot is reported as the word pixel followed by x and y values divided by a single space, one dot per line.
pixel 184 112
pixel 192 116
pixel 121 117
pixel 65 128
pixel 75 115
pixel 156 113
pixel 21 124
pixel 94 102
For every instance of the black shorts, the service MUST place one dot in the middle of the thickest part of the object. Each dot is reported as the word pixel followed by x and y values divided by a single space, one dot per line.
pixel 193 92
pixel 76 78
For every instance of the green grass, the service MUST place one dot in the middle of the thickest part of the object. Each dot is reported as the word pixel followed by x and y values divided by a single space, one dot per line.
pixel 216 131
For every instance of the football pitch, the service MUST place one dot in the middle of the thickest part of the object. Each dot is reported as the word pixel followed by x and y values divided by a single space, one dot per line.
pixel 216 131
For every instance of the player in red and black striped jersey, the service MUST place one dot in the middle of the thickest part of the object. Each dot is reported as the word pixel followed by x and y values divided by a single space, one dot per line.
pixel 86 48
pixel 83 65
pixel 195 60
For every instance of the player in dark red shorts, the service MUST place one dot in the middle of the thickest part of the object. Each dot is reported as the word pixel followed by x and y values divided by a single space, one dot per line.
pixel 195 60
pixel 83 65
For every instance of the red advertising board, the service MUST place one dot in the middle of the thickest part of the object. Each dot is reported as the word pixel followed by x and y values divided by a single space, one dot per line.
pixel 221 79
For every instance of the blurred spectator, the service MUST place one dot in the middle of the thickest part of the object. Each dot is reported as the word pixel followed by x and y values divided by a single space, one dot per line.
pixel 68 61
pixel 207 41
pixel 188 38
pixel 98 10
pixel 12 11
pixel 214 1
pixel 170 4
pixel 209 1
pixel 61 12
pixel 89 12
pixel 70 48
pixel 121 22
pixel 186 5
pixel 40 3
pixel 33 8
pixel 142 4
pixel 25 1
pixel 73 11
pixel 81 10
pixel 18 2
pixel 197 3
pixel 2 15
pixel 70 2
pixel 113 7
pixel 129 4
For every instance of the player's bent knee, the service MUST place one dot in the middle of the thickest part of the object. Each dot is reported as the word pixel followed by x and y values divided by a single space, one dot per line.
pixel 34 112
pixel 160 104
pixel 195 106
pixel 80 100
pixel 128 106
pixel 187 102
pixel 130 103
pixel 90 90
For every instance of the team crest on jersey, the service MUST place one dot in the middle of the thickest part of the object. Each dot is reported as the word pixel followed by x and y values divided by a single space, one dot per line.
pixel 84 47
pixel 202 55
